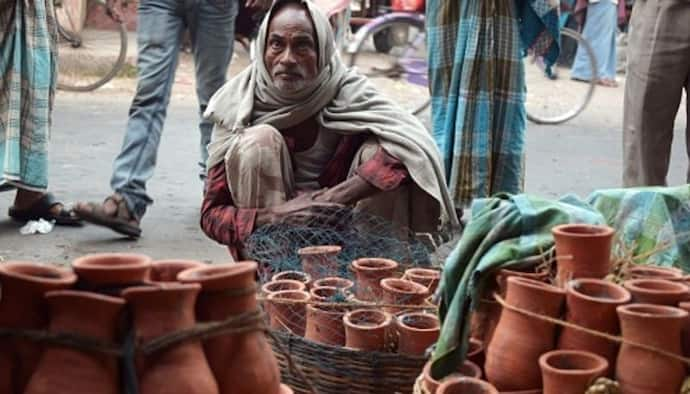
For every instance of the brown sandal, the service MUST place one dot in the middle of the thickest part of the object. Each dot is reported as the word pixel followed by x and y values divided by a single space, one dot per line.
pixel 122 222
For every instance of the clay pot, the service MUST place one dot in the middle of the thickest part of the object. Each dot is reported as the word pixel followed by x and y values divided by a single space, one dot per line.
pixel 160 310
pixel 466 369
pixel 111 272
pixel 463 385
pixel 368 274
pixel 654 272
pixel 242 363
pixel 685 334
pixel 294 275
pixel 592 303
pixel 402 292
pixel 367 329
pixel 512 356
pixel 657 291
pixel 475 351
pixel 583 251
pixel 22 306
pixel 282 285
pixel 290 317
pixel 570 371
pixel 167 270
pixel 426 277
pixel 339 283
pixel 417 331
pixel 639 371
pixel 325 325
pixel 320 261
pixel 68 370
pixel 504 273
pixel 328 294
pixel 538 391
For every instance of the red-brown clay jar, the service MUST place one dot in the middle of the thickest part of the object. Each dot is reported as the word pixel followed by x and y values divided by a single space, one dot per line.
pixel 159 310
pixel 426 277
pixel 657 291
pixel 475 352
pixel 320 261
pixel 294 275
pixel 23 307
pixel 570 371
pixel 368 274
pixel 685 337
pixel 582 251
pixel 111 272
pixel 289 315
pixel 644 271
pixel 368 329
pixel 325 325
pixel 167 270
pixel 463 385
pixel 343 284
pixel 242 363
pixel 402 292
pixel 505 273
pixel 512 356
pixel 68 370
pixel 328 295
pixel 639 371
pixel 282 285
pixel 467 369
pixel 417 331
pixel 592 303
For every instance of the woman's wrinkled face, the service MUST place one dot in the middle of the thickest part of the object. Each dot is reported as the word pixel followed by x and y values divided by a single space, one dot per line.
pixel 291 55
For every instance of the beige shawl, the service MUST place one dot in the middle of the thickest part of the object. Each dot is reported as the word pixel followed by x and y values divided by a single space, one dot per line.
pixel 340 99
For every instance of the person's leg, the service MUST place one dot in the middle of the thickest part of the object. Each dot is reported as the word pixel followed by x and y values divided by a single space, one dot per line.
pixel 159 30
pixel 212 29
pixel 658 69
pixel 599 31
pixel 607 71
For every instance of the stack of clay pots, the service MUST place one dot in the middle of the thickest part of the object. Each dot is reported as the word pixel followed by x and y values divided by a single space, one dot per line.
pixel 375 310
pixel 86 306
pixel 525 354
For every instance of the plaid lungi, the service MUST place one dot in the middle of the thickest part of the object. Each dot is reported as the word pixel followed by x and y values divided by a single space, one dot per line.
pixel 28 66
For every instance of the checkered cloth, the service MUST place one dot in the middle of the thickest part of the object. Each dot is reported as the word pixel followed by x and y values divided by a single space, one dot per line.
pixel 478 88
pixel 28 66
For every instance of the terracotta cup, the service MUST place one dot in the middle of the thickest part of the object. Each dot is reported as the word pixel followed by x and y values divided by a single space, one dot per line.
pixel 167 270
pixel 368 329
pixel 583 251
pixel 294 275
pixel 417 331
pixel 654 272
pixel 320 261
pixel 685 338
pixel 368 273
pixel 325 325
pixel 463 385
pixel 110 272
pixel 640 371
pixel 282 285
pixel 657 291
pixel 467 369
pixel 290 314
pixel 592 303
pixel 402 292
pixel 343 284
pixel 427 277
pixel 570 371
pixel 475 352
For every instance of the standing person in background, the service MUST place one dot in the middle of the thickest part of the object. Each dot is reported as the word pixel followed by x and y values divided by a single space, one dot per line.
pixel 28 37
pixel 658 70
pixel 477 87
pixel 211 25
pixel 601 19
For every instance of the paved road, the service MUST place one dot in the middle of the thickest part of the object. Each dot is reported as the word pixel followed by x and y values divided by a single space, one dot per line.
pixel 578 157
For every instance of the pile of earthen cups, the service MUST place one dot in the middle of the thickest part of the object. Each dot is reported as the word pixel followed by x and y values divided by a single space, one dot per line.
pixel 558 331
pixel 384 309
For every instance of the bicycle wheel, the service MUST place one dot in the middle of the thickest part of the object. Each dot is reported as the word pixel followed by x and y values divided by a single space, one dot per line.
pixel 401 73
pixel 558 98
pixel 88 60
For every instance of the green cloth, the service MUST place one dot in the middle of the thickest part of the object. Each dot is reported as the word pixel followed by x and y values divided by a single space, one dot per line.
pixel 650 218
pixel 504 230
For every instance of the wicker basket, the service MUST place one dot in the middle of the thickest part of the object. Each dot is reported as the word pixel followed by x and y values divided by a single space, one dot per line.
pixel 336 370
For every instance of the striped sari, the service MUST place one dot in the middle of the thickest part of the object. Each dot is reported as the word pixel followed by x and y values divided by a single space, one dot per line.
pixel 478 88
pixel 28 65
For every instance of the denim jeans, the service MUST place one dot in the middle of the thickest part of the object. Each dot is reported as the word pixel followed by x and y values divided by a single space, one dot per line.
pixel 161 24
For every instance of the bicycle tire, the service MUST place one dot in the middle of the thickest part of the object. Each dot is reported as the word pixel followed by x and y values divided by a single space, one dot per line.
pixel 575 111
pixel 117 66
pixel 364 33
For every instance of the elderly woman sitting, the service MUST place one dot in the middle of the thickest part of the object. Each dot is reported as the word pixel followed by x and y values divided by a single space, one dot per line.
pixel 296 132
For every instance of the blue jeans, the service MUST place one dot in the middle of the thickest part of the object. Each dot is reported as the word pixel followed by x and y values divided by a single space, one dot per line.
pixel 161 24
